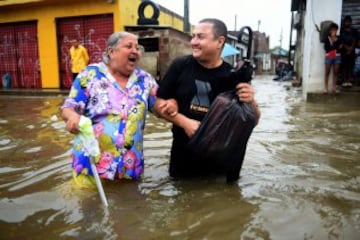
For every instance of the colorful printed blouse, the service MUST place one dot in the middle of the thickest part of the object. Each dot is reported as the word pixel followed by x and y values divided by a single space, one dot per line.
pixel 118 116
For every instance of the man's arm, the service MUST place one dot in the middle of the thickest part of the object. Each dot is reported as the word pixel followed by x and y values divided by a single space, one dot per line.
pixel 257 111
pixel 189 125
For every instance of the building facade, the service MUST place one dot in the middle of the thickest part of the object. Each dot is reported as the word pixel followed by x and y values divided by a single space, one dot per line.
pixel 36 34
pixel 309 54
pixel 262 52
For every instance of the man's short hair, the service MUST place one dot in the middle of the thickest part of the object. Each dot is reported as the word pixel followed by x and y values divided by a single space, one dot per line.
pixel 219 27
pixel 347 18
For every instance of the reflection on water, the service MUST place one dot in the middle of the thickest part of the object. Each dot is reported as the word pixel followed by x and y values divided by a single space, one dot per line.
pixel 300 179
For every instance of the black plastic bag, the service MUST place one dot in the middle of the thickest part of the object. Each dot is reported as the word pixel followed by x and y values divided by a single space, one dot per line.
pixel 226 128
pixel 229 123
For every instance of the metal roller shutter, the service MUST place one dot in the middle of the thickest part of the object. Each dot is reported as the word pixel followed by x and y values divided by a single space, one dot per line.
pixel 91 31
pixel 352 8
pixel 19 54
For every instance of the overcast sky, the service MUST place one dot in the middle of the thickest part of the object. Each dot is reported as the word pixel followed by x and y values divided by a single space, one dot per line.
pixel 274 15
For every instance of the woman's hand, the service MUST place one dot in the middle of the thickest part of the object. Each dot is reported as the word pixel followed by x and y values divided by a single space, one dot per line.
pixel 172 107
pixel 71 119
pixel 166 108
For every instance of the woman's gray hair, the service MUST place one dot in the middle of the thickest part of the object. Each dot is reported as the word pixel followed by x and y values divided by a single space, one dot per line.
pixel 113 41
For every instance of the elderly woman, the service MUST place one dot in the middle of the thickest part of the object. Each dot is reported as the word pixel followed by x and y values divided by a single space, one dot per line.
pixel 116 95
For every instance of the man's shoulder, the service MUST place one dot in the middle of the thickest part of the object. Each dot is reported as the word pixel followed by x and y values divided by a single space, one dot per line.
pixel 227 65
pixel 351 31
pixel 186 59
pixel 354 32
pixel 179 64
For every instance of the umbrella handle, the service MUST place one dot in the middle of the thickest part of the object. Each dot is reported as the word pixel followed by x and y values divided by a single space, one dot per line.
pixel 88 138
pixel 247 41
pixel 98 182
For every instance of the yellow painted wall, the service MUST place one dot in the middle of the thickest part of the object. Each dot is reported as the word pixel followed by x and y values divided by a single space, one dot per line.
pixel 47 42
pixel 124 13
pixel 128 12
pixel 129 15
pixel 171 20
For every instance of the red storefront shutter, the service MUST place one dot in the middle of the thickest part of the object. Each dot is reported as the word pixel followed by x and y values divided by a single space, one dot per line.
pixel 67 29
pixel 7 51
pixel 19 54
pixel 28 59
pixel 97 30
pixel 91 31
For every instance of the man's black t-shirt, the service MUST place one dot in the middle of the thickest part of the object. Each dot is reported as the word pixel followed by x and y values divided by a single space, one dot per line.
pixel 348 37
pixel 194 87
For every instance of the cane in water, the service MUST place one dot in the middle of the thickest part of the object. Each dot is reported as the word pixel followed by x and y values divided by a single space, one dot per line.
pixel 91 144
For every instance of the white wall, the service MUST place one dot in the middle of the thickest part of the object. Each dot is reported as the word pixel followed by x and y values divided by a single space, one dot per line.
pixel 313 50
pixel 267 62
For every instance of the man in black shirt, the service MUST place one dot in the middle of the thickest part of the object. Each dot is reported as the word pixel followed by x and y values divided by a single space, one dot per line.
pixel 348 36
pixel 194 81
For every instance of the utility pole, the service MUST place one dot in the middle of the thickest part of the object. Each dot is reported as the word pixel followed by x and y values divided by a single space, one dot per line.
pixel 290 42
pixel 280 41
pixel 235 22
pixel 186 16
pixel 259 22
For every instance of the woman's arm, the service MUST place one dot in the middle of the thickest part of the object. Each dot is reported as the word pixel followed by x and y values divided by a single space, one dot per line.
pixel 71 119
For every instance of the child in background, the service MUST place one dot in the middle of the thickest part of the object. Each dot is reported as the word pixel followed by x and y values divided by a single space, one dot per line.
pixel 332 46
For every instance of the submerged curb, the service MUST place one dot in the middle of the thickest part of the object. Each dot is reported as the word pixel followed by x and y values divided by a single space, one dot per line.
pixel 34 92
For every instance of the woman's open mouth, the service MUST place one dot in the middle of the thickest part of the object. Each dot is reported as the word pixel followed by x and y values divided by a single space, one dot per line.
pixel 133 59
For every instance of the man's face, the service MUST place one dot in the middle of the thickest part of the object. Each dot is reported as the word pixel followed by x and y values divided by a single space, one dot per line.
pixel 75 43
pixel 347 23
pixel 203 42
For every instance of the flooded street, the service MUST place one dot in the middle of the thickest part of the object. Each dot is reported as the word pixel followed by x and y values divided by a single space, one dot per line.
pixel 300 179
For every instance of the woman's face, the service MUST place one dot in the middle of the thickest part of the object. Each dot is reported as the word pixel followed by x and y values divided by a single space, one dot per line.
pixel 125 56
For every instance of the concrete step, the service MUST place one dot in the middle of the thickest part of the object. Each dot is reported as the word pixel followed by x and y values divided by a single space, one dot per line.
pixel 34 92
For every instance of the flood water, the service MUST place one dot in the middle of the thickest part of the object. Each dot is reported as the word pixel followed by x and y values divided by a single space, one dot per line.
pixel 300 179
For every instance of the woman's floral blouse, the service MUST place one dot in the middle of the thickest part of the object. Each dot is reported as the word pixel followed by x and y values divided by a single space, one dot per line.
pixel 118 116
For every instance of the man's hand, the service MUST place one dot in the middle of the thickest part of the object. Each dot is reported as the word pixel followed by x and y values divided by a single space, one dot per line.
pixel 244 72
pixel 245 92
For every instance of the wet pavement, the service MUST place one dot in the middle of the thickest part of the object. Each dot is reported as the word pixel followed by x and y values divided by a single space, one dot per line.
pixel 300 178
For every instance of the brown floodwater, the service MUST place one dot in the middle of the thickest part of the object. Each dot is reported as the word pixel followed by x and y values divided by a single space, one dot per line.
pixel 300 178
